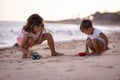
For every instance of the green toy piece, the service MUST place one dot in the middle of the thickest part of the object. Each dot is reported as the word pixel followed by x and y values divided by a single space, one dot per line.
pixel 86 51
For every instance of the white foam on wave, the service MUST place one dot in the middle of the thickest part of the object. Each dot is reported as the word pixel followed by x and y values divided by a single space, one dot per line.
pixel 61 32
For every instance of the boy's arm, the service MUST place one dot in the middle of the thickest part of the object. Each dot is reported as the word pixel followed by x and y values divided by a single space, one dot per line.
pixel 86 44
pixel 102 35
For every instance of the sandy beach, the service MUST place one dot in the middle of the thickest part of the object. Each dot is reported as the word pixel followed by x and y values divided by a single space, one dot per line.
pixel 67 67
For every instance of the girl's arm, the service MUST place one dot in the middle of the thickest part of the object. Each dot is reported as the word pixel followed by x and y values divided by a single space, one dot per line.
pixel 24 45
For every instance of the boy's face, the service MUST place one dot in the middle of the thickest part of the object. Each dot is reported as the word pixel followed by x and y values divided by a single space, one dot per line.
pixel 88 31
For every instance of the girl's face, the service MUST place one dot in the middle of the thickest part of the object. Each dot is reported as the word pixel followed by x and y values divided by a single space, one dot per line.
pixel 88 31
pixel 37 29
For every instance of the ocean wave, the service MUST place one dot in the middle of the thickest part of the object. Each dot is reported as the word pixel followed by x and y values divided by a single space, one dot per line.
pixel 61 32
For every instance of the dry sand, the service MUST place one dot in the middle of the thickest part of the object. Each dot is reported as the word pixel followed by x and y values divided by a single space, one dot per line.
pixel 67 67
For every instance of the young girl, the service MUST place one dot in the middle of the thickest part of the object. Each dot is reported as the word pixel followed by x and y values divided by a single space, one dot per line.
pixel 33 33
pixel 97 40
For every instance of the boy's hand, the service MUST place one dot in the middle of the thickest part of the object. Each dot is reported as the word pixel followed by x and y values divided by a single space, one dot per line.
pixel 106 48
pixel 86 51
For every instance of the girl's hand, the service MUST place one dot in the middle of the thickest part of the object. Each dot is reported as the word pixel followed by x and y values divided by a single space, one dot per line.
pixel 30 54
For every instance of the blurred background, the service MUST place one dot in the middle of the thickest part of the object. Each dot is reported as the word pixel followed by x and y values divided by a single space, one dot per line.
pixel 20 10
pixel 62 17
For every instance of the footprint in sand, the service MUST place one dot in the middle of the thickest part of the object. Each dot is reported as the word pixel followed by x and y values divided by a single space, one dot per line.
pixel 19 68
pixel 109 67
pixel 7 76
pixel 45 79
pixel 97 65
pixel 70 70
pixel 41 63
pixel 21 64
pixel 19 61
pixel 2 60
pixel 1 53
pixel 118 78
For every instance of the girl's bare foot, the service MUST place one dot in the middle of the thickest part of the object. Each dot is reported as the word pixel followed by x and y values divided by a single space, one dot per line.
pixel 28 55
pixel 57 54
pixel 24 56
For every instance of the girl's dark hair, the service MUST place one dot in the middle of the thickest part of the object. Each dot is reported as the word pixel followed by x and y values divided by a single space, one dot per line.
pixel 85 24
pixel 33 20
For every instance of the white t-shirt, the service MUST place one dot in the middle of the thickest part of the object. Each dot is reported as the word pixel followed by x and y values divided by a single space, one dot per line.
pixel 96 35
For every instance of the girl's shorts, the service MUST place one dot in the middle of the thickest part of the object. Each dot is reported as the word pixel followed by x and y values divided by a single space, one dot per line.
pixel 19 41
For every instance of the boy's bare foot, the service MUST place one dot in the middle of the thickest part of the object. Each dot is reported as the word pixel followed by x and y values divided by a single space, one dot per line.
pixel 96 53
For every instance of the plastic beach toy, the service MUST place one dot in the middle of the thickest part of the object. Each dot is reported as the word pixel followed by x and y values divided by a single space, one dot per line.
pixel 82 53
pixel 36 56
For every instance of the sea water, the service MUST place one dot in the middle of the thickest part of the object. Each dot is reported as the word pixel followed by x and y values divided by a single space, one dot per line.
pixel 60 32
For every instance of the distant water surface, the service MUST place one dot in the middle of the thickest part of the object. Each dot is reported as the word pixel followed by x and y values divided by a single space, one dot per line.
pixel 61 32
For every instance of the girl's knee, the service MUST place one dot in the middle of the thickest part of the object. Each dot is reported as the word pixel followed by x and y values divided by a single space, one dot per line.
pixel 47 35
pixel 30 42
